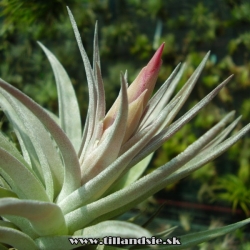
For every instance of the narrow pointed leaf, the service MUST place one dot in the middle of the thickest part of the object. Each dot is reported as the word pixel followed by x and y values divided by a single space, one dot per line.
pixel 95 188
pixel 28 150
pixel 168 132
pixel 161 97
pixel 186 89
pixel 109 148
pixel 96 54
pixel 91 85
pixel 8 146
pixel 72 168
pixel 191 240
pixel 46 218
pixel 100 112
pixel 133 174
pixel 143 186
pixel 69 113
pixel 20 175
pixel 7 224
pixel 224 133
pixel 209 155
pixel 34 129
pixel 183 172
pixel 134 115
pixel 22 224
pixel 16 239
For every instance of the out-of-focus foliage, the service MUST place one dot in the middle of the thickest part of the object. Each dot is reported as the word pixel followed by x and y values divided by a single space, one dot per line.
pixel 30 11
pixel 130 30
pixel 235 190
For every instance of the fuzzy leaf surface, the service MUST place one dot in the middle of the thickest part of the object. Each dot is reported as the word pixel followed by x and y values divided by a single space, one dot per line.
pixel 46 218
pixel 20 176
pixel 16 239
pixel 72 167
pixel 69 113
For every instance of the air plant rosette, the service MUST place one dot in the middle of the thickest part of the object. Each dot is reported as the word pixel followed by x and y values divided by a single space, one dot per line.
pixel 68 183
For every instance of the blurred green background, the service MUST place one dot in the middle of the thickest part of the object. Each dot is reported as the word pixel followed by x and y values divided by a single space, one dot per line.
pixel 129 32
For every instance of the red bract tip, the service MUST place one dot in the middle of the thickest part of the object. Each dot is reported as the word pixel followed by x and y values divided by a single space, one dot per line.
pixel 155 61
pixel 144 81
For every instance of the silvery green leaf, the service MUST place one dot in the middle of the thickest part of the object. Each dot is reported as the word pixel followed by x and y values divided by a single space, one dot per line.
pixel 186 90
pixel 72 168
pixel 16 239
pixel 154 126
pixel 167 95
pixel 93 189
pixel 204 158
pixel 133 174
pixel 161 97
pixel 16 172
pixel 201 159
pixel 100 112
pixel 33 161
pixel 101 230
pixel 4 184
pixel 69 113
pixel 30 159
pixel 224 133
pixel 166 232
pixel 22 224
pixel 107 151
pixel 56 242
pixel 191 240
pixel 46 218
pixel 84 137
pixel 53 116
pixel 33 128
pixel 66 184
pixel 168 132
pixel 109 228
pixel 49 161
pixel 141 189
pixel 7 224
pixel 92 86
pixel 96 53
pixel 8 146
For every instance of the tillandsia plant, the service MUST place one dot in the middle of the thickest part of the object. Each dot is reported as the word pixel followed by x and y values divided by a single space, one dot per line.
pixel 67 184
